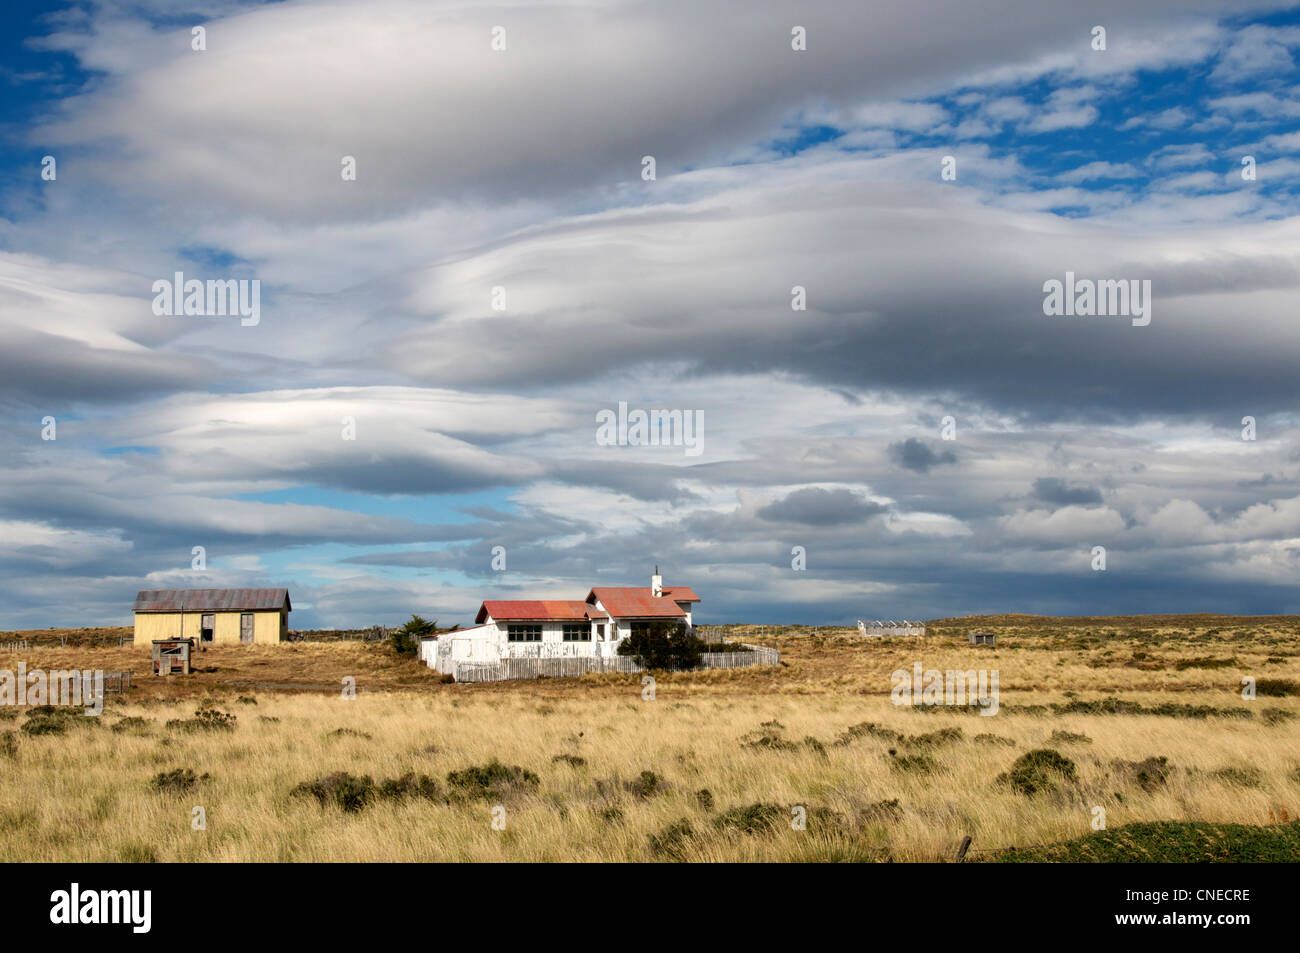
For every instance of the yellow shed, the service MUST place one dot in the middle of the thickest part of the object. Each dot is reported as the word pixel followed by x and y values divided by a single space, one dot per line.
pixel 212 616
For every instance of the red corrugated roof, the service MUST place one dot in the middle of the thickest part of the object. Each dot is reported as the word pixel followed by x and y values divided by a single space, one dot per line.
pixel 560 610
pixel 210 600
pixel 638 603
pixel 681 594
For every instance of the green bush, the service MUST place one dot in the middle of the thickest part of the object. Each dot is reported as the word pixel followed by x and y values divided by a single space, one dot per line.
pixel 492 780
pixel 647 784
pixel 1177 842
pixel 664 645
pixel 1061 737
pixel 673 840
pixel 132 724
pixel 1277 687
pixel 45 726
pixel 1239 777
pixel 1041 770
pixel 176 781
pixel 348 792
pixel 406 640
pixel 352 793
pixel 409 785
pixel 913 763
pixel 1148 774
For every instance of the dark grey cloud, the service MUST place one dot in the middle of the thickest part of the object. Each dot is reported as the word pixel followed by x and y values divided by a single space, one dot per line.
pixel 916 455
pixel 816 506
pixel 1060 493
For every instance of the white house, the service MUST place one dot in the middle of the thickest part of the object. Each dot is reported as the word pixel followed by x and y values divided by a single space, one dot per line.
pixel 560 628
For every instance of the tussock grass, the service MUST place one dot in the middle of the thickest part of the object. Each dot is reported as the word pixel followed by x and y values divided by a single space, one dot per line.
pixel 648 770
pixel 584 769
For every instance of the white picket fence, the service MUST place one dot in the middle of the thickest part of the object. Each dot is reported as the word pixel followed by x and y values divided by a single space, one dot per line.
pixel 517 668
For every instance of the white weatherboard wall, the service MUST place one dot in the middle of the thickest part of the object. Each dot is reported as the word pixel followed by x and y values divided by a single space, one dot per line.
pixel 490 643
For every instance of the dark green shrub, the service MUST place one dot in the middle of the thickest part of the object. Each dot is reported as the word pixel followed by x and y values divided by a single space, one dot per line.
pixel 1148 774
pixel 1060 737
pixel 913 763
pixel 45 726
pixel 647 784
pixel 409 786
pixel 1185 664
pixel 814 745
pixel 761 818
pixel 1239 777
pixel 757 818
pixel 176 781
pixel 890 810
pixel 406 640
pixel 1042 769
pixel 137 853
pixel 868 729
pixel 934 739
pixel 8 744
pixel 349 792
pixel 775 742
pixel 492 780
pixel 1277 687
pixel 207 717
pixel 673 840
pixel 704 798
pixel 572 760
pixel 132 724
pixel 666 645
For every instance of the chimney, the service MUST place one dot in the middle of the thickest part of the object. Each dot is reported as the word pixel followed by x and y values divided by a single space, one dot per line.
pixel 656 583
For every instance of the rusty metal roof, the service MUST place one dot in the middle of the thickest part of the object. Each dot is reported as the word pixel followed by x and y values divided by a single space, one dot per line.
pixel 210 600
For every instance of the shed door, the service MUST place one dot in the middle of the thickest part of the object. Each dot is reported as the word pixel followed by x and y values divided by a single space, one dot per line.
pixel 246 627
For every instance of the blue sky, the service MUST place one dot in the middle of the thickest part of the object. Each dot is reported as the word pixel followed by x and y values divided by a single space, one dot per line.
pixel 522 170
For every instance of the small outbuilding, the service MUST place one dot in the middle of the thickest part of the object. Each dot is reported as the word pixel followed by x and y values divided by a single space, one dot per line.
pixel 212 616
pixel 982 638
pixel 172 656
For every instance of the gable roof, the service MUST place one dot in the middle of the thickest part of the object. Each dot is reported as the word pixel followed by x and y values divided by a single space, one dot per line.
pixel 636 602
pixel 548 610
pixel 210 600
pixel 681 594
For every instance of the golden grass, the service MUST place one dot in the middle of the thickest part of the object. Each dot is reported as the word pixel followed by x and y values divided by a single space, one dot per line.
pixel 85 795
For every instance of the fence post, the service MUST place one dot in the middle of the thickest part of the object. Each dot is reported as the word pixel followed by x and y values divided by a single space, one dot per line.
pixel 965 846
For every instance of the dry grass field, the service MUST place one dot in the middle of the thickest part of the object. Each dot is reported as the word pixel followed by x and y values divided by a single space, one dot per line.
pixel 713 768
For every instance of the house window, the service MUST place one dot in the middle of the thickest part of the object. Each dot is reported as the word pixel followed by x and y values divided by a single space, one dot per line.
pixel 577 631
pixel 600 630
pixel 524 633
pixel 641 628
